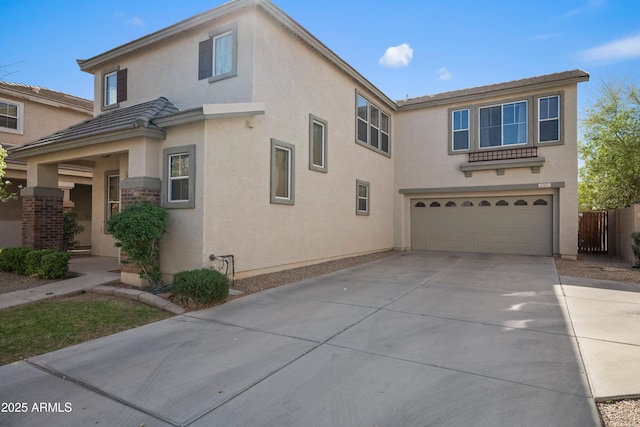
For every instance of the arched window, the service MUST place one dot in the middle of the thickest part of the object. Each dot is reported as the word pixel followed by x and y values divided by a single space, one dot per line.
pixel 484 203
pixel 521 203
pixel 451 204
pixel 467 203
pixel 540 202
pixel 420 205
pixel 434 205
pixel 502 203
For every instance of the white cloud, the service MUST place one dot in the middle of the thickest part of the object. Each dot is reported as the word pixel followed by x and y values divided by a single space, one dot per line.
pixel 444 74
pixel 625 48
pixel 136 22
pixel 589 5
pixel 397 56
pixel 544 36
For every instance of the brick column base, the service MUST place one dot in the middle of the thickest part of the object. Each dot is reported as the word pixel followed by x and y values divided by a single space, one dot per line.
pixel 134 191
pixel 42 217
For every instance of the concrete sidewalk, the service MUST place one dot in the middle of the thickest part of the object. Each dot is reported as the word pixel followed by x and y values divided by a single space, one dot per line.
pixel 92 271
pixel 415 339
pixel 606 319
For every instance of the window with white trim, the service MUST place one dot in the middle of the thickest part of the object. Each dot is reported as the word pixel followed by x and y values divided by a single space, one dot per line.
pixel 504 124
pixel 362 197
pixel 114 87
pixel 317 144
pixel 282 172
pixel 11 116
pixel 217 57
pixel 460 129
pixel 549 119
pixel 178 177
pixel 112 204
pixel 178 190
pixel 373 126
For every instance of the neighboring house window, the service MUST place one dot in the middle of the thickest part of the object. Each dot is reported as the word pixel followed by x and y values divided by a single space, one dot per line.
pixel 282 172
pixel 317 144
pixel 549 119
pixel 504 124
pixel 114 87
pixel 11 114
pixel 460 129
pixel 179 175
pixel 373 127
pixel 217 57
pixel 362 197
pixel 113 194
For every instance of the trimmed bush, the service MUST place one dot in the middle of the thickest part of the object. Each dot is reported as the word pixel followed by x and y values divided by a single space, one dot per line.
pixel 33 261
pixel 54 265
pixel 12 260
pixel 202 285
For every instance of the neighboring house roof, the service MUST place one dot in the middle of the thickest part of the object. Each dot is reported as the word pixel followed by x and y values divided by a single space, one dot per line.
pixel 463 95
pixel 136 120
pixel 46 96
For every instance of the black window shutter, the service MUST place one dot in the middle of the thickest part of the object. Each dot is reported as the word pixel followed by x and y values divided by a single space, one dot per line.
pixel 205 59
pixel 122 85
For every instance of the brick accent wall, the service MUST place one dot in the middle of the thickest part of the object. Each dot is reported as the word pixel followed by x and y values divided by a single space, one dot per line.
pixel 42 218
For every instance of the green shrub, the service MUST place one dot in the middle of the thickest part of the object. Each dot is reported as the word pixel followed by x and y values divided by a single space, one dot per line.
pixel 201 285
pixel 137 230
pixel 33 261
pixel 54 265
pixel 12 260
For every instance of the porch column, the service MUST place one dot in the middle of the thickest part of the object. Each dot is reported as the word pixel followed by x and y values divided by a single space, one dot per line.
pixel 133 191
pixel 42 211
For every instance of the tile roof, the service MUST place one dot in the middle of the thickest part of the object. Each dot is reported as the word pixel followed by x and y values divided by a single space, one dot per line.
pixel 135 116
pixel 48 94
pixel 482 90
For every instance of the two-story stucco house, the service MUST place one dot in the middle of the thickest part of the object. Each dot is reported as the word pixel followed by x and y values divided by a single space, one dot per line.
pixel 28 113
pixel 263 143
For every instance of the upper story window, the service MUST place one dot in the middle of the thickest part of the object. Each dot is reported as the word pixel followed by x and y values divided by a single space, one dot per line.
pixel 114 87
pixel 11 116
pixel 217 58
pixel 317 144
pixel 504 124
pixel 460 129
pixel 514 123
pixel 373 127
pixel 549 119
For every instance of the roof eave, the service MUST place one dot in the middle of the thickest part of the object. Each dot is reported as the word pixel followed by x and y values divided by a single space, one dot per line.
pixel 465 98
pixel 56 146
pixel 91 64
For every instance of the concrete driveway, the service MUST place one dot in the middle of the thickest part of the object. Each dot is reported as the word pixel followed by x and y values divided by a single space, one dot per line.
pixel 417 339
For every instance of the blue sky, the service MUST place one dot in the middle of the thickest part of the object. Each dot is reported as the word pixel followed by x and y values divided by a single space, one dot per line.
pixel 405 47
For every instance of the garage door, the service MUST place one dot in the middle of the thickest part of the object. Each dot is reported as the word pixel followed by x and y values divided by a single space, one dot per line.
pixel 501 225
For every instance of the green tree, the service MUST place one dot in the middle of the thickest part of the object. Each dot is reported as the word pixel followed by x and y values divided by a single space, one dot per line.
pixel 610 148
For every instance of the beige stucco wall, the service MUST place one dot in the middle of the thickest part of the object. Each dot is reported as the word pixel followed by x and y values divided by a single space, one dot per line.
pixel 422 161
pixel 181 248
pixel 170 69
pixel 625 221
pixel 238 216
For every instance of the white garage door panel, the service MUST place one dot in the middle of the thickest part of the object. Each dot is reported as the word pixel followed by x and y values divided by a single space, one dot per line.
pixel 509 225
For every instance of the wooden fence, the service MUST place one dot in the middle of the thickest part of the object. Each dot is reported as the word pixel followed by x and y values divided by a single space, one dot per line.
pixel 593 233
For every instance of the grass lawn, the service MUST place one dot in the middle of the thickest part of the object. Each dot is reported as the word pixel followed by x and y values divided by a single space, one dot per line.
pixel 42 327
